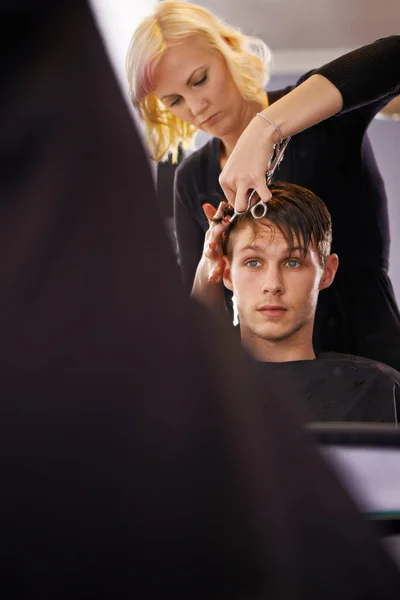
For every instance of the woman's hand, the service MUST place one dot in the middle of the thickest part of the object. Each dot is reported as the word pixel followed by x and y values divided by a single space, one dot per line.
pixel 206 286
pixel 246 168
pixel 212 252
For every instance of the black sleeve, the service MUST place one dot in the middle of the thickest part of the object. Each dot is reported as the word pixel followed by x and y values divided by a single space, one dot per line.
pixel 189 234
pixel 367 75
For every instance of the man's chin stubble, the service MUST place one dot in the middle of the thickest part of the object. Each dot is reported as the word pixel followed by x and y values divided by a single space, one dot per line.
pixel 278 338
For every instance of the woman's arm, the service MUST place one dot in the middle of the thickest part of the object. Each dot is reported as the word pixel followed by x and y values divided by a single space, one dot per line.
pixel 353 80
pixel 313 101
pixel 367 74
pixel 189 235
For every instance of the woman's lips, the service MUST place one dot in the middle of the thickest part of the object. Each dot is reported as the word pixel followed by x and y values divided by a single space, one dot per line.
pixel 210 120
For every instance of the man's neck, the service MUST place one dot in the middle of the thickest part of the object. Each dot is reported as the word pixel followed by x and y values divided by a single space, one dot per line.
pixel 282 351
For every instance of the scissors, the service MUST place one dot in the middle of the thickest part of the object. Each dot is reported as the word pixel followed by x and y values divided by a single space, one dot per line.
pixel 259 210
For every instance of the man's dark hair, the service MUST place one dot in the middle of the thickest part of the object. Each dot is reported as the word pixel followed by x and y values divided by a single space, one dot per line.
pixel 298 213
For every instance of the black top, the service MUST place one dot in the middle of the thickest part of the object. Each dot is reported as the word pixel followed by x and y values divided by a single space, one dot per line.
pixel 133 458
pixel 334 159
pixel 342 387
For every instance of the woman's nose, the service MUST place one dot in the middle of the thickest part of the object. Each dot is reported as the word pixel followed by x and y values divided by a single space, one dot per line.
pixel 198 106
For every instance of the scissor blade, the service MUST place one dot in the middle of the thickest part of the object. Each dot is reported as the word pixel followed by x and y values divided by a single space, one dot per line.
pixel 280 150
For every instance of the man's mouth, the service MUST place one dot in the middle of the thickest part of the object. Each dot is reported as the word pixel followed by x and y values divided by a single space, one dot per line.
pixel 272 310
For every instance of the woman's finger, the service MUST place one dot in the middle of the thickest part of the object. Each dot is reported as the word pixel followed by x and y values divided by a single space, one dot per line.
pixel 215 232
pixel 211 252
pixel 216 216
pixel 262 190
pixel 209 211
pixel 242 197
pixel 241 201
pixel 229 191
pixel 213 248
pixel 216 274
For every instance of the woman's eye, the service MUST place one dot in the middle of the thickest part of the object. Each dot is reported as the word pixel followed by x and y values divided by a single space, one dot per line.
pixel 175 102
pixel 202 80
pixel 253 263
pixel 179 98
pixel 292 263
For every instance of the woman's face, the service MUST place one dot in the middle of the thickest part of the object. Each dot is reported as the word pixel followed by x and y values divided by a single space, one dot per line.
pixel 195 84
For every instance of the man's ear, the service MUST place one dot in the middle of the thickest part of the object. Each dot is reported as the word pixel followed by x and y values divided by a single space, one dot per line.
pixel 226 275
pixel 331 266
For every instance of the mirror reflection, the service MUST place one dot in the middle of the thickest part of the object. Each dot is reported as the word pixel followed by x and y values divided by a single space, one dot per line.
pixel 308 285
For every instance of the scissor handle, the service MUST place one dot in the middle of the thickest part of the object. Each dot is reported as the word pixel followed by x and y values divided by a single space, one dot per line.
pixel 259 210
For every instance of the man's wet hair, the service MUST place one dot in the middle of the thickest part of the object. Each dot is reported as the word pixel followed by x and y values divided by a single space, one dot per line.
pixel 297 213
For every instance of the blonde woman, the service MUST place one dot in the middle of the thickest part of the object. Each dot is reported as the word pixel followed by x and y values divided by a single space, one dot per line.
pixel 190 71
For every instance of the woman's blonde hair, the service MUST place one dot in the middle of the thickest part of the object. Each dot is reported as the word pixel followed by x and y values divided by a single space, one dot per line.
pixel 247 59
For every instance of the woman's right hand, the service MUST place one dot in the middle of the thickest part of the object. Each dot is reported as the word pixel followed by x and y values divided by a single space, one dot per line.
pixel 247 165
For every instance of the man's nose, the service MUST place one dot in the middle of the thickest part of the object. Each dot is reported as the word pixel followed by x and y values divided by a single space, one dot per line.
pixel 272 282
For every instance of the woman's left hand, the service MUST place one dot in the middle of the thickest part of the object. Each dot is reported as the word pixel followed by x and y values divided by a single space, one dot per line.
pixel 207 286
pixel 246 167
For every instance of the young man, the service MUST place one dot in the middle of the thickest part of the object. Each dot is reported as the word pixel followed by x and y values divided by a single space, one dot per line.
pixel 276 267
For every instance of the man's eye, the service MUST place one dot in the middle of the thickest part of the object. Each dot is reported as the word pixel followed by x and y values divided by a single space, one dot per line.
pixel 293 263
pixel 253 263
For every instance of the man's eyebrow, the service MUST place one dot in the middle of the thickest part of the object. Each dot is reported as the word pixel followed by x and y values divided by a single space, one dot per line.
pixel 300 248
pixel 260 249
pixel 252 247
pixel 187 82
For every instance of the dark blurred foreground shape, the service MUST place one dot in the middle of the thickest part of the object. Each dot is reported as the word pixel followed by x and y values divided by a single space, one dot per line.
pixel 138 456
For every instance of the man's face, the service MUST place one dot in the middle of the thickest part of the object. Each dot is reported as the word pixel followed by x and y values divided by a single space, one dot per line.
pixel 276 291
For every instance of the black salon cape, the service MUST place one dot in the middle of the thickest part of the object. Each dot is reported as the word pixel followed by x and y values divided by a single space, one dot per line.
pixel 341 387
pixel 136 461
